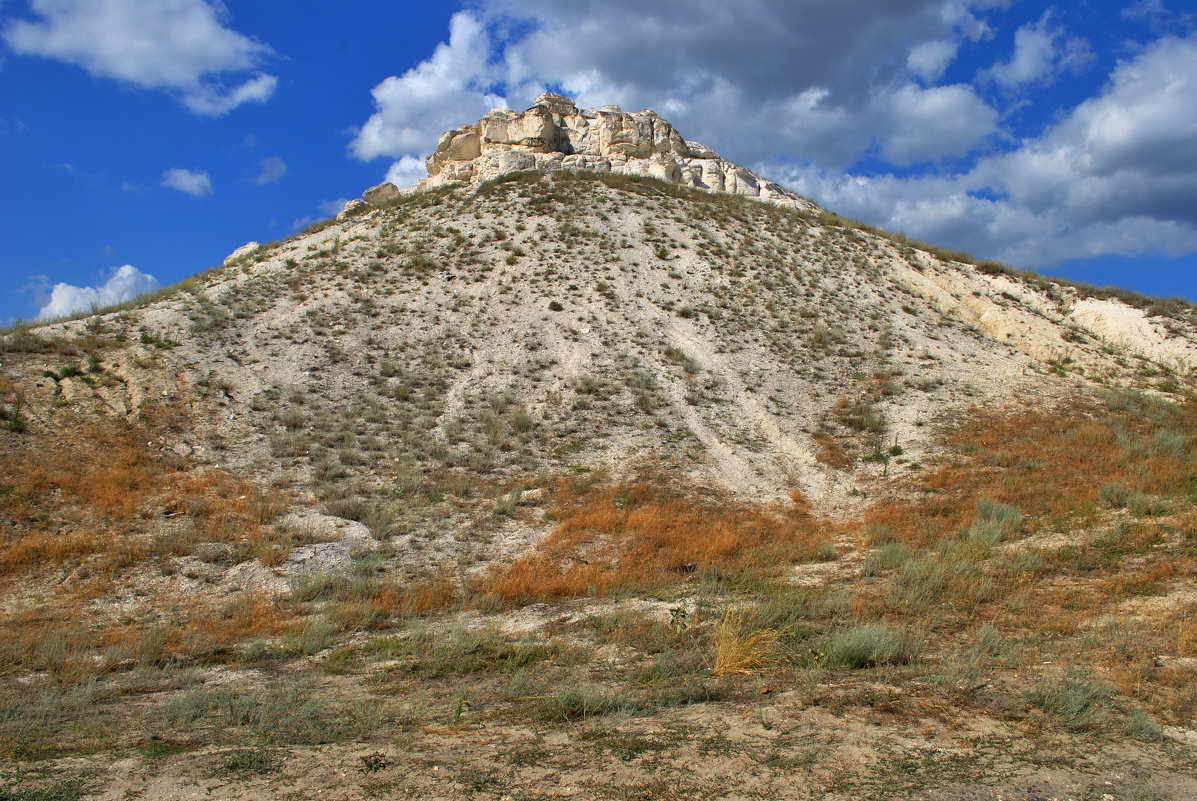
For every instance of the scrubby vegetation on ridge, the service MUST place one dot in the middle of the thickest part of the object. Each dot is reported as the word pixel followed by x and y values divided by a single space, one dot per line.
pixel 1154 306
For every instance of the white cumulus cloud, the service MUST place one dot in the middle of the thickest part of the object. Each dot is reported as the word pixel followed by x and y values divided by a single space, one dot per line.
pixel 925 124
pixel 928 60
pixel 1041 51
pixel 181 46
pixel 751 79
pixel 450 88
pixel 125 282
pixel 193 182
pixel 1116 175
pixel 218 100
pixel 406 171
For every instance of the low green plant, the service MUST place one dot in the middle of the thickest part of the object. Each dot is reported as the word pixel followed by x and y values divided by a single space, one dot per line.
pixel 886 557
pixel 1114 494
pixel 579 701
pixel 372 763
pixel 1079 700
pixel 250 760
pixel 994 522
pixel 869 645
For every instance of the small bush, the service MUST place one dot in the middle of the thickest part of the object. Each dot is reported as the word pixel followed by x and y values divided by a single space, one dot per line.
pixel 506 504
pixel 1114 494
pixel 311 638
pixel 1144 505
pixel 1078 699
pixel 250 760
pixel 860 414
pixel 1140 726
pixel 994 522
pixel 870 645
pixel 688 363
pixel 886 557
pixel 581 701
pixel 1002 513
pixel 521 421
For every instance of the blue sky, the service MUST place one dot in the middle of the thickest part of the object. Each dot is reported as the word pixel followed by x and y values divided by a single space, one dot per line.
pixel 143 140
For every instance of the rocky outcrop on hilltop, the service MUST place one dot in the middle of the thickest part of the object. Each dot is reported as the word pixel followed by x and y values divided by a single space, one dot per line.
pixel 556 135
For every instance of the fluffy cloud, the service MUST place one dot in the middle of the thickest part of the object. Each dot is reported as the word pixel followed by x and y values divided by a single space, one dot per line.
pixel 1114 176
pixel 722 72
pixel 270 169
pixel 216 100
pixel 182 46
pixel 406 171
pixel 711 67
pixel 451 87
pixel 125 282
pixel 925 124
pixel 928 60
pixel 193 182
pixel 1127 151
pixel 1041 51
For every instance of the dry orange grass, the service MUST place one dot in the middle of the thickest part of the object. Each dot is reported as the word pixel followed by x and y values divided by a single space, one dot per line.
pixel 1186 632
pixel 107 469
pixel 742 649
pixel 250 614
pixel 89 487
pixel 613 537
pixel 1050 465
pixel 91 497
pixel 231 510
pixel 831 451
pixel 415 598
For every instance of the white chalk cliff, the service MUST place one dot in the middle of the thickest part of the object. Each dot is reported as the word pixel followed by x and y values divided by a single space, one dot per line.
pixel 556 135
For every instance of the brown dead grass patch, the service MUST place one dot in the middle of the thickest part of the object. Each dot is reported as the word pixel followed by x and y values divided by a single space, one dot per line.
pixel 1049 464
pixel 93 486
pixel 1186 632
pixel 415 598
pixel 1106 490
pixel 831 451
pixel 636 535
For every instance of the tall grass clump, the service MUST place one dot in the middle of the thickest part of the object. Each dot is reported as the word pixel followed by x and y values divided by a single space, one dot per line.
pixel 873 644
pixel 994 522
pixel 741 648
pixel 1080 701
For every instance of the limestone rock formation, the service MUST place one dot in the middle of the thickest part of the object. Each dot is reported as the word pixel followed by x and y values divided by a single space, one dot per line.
pixel 556 135
pixel 353 207
pixel 244 250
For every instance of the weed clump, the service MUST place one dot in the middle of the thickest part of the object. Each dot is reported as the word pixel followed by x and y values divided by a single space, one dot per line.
pixel 1080 701
pixel 579 702
pixel 870 645
pixel 994 523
